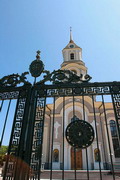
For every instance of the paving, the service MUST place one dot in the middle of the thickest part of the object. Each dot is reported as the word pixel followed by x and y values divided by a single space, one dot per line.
pixel 80 175
pixel 70 175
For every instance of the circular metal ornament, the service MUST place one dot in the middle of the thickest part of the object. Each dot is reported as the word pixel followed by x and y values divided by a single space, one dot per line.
pixel 36 68
pixel 115 89
pixel 80 134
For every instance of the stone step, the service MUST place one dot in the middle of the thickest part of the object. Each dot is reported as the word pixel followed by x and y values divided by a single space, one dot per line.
pixel 117 167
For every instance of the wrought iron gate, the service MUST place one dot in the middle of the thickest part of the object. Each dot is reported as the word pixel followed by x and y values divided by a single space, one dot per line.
pixel 60 130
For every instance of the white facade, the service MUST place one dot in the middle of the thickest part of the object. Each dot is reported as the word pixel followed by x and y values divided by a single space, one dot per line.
pixel 72 55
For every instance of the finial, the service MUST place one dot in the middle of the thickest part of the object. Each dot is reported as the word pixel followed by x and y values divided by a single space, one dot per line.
pixel 71 39
pixel 36 67
pixel 38 55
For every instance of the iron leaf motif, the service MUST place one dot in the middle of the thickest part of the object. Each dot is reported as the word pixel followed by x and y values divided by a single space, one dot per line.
pixel 13 80
pixel 36 69
pixel 64 76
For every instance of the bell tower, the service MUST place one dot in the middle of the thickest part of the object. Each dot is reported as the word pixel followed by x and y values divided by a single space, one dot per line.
pixel 72 58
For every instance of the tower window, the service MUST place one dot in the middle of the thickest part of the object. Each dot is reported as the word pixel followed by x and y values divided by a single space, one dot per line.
pixel 72 56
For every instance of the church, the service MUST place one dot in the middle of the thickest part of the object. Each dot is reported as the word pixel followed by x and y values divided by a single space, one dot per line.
pixel 97 111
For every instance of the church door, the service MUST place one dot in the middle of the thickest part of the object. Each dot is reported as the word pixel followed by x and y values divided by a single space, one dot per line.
pixel 78 158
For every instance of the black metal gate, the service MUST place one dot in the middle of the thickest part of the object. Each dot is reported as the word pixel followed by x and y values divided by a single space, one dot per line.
pixel 67 129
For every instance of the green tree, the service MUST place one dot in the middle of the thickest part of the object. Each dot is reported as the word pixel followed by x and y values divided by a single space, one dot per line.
pixel 3 151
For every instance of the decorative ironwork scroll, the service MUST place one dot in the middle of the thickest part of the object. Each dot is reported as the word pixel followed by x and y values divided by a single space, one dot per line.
pixel 13 80
pixel 36 153
pixel 64 76
pixel 36 68
pixel 75 91
pixel 80 134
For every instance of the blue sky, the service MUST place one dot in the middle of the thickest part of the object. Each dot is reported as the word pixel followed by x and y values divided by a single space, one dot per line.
pixel 29 25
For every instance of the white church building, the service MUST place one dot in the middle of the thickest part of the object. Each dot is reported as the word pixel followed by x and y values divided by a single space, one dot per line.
pixel 105 144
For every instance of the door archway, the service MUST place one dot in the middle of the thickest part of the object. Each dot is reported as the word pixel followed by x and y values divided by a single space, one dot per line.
pixel 78 158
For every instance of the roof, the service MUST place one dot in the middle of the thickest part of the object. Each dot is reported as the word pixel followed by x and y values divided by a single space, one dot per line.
pixel 70 43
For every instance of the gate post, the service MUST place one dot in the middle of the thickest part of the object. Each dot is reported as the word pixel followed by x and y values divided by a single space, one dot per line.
pixel 33 153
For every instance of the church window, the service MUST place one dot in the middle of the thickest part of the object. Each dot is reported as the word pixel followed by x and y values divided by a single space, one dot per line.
pixel 56 155
pixel 97 155
pixel 115 139
pixel 72 56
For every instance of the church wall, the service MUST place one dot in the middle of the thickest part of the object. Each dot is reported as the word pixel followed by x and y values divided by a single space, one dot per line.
pixel 58 136
pixel 77 65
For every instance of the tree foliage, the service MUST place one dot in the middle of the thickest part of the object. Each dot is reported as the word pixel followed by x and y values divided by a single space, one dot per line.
pixel 3 151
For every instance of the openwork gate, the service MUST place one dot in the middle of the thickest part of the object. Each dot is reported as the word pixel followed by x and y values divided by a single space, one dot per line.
pixel 67 129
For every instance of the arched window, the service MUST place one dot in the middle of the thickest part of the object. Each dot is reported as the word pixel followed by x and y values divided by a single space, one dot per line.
pixel 97 155
pixel 72 56
pixel 115 139
pixel 56 155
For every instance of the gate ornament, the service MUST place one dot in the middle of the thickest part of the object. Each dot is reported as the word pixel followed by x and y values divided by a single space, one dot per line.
pixel 80 134
pixel 13 80
pixel 64 76
pixel 37 66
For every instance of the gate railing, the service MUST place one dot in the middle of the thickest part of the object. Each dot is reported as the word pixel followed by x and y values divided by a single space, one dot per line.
pixel 24 156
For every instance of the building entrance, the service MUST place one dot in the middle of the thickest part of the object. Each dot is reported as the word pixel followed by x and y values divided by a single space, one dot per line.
pixel 78 158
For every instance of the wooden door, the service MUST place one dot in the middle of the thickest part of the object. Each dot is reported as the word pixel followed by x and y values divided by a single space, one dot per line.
pixel 78 158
